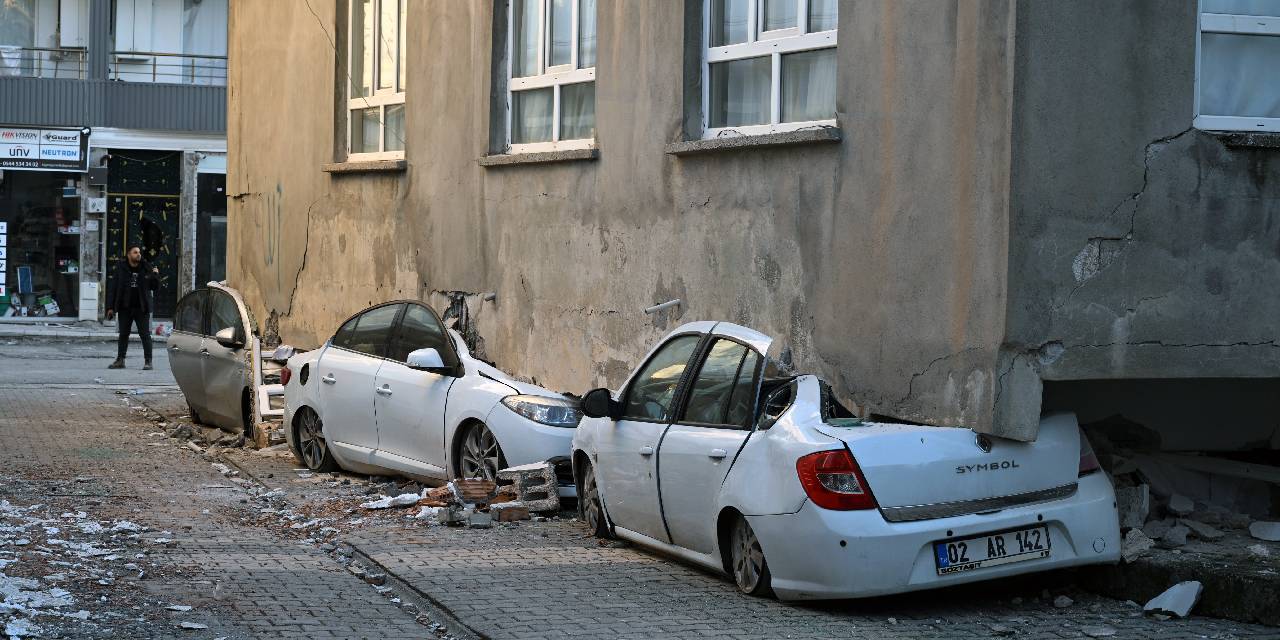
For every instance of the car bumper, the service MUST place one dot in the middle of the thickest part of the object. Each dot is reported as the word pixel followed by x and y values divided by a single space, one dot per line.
pixel 524 441
pixel 807 561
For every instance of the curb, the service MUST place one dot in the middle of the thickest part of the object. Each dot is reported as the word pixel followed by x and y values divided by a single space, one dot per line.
pixel 1236 595
pixel 419 598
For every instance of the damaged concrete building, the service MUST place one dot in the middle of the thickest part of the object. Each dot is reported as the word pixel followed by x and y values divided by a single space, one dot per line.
pixel 1013 206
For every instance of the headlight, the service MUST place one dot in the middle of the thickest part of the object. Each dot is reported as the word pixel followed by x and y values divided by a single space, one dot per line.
pixel 557 412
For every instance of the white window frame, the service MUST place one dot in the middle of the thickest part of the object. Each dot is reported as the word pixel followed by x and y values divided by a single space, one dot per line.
pixel 774 44
pixel 381 98
pixel 1237 25
pixel 554 77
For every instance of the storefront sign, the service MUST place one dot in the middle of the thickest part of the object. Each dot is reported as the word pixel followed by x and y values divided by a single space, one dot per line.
pixel 30 149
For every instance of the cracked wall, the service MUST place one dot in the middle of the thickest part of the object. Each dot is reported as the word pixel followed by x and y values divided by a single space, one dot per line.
pixel 879 261
pixel 1140 247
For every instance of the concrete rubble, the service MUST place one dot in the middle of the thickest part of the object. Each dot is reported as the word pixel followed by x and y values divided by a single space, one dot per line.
pixel 1135 545
pixel 1176 601
pixel 535 485
pixel 1269 531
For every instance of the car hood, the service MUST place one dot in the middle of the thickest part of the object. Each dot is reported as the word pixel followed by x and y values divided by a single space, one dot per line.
pixel 525 388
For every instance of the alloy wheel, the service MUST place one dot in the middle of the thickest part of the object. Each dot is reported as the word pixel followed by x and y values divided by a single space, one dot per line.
pixel 481 455
pixel 311 440
pixel 746 557
pixel 592 512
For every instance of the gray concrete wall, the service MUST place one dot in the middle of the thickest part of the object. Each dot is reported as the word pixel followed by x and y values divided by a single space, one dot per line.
pixel 880 260
pixel 1139 246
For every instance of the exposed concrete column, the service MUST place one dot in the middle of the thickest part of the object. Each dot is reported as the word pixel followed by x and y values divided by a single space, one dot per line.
pixel 99 39
pixel 187 222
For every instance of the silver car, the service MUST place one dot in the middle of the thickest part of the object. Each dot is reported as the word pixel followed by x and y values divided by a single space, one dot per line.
pixel 211 350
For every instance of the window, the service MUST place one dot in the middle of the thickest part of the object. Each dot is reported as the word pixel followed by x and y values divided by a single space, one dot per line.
pixel 723 392
pixel 1239 50
pixel 369 333
pixel 420 330
pixel 653 389
pixel 376 70
pixel 769 66
pixel 189 315
pixel 551 86
pixel 224 314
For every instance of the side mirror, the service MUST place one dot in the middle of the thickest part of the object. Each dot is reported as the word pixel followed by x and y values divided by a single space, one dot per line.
pixel 425 360
pixel 227 338
pixel 599 403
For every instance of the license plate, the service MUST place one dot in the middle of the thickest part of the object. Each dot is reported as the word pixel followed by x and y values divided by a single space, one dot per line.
pixel 990 550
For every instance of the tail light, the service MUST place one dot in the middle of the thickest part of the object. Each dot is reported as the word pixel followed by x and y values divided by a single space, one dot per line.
pixel 833 480
pixel 285 375
pixel 1088 461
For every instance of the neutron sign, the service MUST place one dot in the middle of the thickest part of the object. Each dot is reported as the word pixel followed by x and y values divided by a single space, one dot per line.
pixel 44 149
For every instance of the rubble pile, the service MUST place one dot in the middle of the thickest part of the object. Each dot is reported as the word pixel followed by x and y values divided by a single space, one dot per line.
pixel 64 573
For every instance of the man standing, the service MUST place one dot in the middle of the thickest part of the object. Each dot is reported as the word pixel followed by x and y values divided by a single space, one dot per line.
pixel 130 298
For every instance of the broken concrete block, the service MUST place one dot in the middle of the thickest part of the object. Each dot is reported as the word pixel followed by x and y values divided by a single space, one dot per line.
pixel 451 515
pixel 479 520
pixel 1134 503
pixel 1201 530
pixel 1135 545
pixel 1177 600
pixel 1062 602
pixel 535 486
pixel 511 514
pixel 1269 531
pixel 1259 550
pixel 1157 528
pixel 475 490
pixel 1175 537
pixel 1236 521
pixel 1181 505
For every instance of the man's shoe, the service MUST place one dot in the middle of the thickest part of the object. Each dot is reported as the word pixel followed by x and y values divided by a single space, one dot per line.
pixel 118 364
pixel 146 366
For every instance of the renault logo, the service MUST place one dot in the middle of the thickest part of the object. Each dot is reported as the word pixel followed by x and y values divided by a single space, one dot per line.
pixel 984 443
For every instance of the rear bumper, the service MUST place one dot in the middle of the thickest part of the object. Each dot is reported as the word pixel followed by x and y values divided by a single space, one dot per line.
pixel 807 562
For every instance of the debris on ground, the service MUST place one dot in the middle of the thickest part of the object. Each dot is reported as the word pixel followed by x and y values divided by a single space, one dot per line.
pixel 387 502
pixel 1135 545
pixel 536 488
pixel 1176 601
pixel 1269 531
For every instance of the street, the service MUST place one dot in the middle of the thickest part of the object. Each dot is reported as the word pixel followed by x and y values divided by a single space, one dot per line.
pixel 113 527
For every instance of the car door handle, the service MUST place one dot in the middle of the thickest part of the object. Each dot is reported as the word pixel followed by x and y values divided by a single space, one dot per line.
pixel 718 453
pixel 384 390
pixel 174 348
pixel 646 451
pixel 329 379
pixel 204 352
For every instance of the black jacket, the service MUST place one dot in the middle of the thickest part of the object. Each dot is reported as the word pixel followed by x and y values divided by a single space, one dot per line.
pixel 118 287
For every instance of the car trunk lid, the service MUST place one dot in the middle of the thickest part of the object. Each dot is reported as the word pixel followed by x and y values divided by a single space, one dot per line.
pixel 911 465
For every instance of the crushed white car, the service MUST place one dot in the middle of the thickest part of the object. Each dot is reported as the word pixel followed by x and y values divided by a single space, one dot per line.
pixel 706 453
pixel 393 391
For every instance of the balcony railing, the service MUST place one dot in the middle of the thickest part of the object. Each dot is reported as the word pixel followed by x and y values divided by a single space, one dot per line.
pixel 174 68
pixel 40 62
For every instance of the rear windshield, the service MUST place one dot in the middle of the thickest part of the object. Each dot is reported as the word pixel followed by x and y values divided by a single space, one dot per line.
pixel 834 412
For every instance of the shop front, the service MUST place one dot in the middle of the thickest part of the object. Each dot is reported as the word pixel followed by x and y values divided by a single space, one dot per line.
pixel 41 170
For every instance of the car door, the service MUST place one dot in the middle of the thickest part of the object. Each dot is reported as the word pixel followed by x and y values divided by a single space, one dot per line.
pixel 699 448
pixel 347 372
pixel 184 347
pixel 225 368
pixel 408 403
pixel 626 464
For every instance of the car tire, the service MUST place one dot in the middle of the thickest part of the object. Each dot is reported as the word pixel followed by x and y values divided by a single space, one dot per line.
pixel 747 564
pixel 479 454
pixel 246 416
pixel 313 448
pixel 195 415
pixel 591 506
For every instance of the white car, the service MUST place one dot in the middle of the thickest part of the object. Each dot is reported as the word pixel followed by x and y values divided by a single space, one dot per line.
pixel 393 391
pixel 703 455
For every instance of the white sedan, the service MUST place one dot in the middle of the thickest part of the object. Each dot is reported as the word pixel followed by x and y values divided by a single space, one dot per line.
pixel 393 391
pixel 704 455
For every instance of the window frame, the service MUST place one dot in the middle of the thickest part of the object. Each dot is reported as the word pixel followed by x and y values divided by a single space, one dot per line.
pixel 1231 24
pixel 392 330
pixel 701 358
pixel 381 98
pixel 202 296
pixel 207 325
pixel 550 77
pixel 448 354
pixel 774 44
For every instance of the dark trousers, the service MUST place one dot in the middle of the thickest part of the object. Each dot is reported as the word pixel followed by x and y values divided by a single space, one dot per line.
pixel 140 319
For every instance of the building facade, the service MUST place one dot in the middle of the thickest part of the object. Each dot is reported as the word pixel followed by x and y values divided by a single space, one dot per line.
pixel 112 133
pixel 960 212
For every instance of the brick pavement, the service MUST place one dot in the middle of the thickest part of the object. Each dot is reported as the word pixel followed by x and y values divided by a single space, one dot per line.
pixel 243 581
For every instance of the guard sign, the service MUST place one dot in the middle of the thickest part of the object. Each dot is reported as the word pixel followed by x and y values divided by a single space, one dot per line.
pixel 44 149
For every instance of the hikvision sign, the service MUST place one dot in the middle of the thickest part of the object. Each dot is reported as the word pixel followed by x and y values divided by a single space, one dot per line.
pixel 31 149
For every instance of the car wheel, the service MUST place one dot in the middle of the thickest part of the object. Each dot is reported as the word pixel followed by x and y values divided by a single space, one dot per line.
pixel 312 444
pixel 195 415
pixel 746 560
pixel 592 507
pixel 480 456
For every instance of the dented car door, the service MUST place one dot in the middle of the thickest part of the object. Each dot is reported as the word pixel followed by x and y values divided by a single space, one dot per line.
pixel 184 348
pixel 225 368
